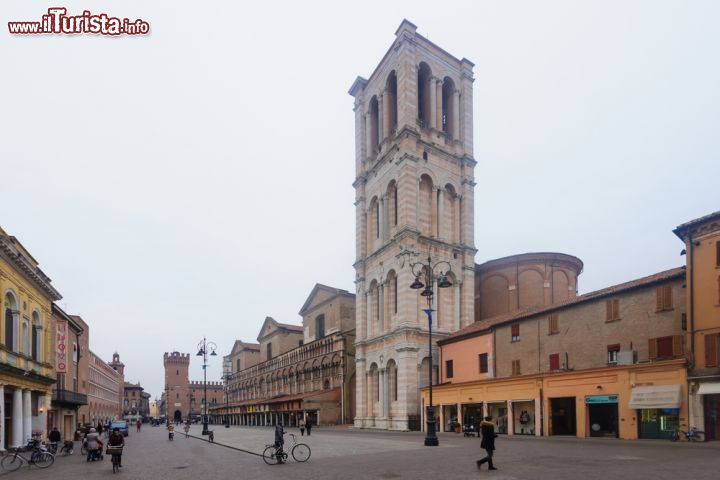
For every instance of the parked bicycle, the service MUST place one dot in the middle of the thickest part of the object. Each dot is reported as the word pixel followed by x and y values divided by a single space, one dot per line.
pixel 68 448
pixel 692 435
pixel 276 454
pixel 39 457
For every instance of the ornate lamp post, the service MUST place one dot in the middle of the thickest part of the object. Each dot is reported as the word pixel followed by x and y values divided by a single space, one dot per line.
pixel 227 374
pixel 427 272
pixel 203 348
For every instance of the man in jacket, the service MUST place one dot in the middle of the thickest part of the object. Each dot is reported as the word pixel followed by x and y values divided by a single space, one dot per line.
pixel 488 442
pixel 117 440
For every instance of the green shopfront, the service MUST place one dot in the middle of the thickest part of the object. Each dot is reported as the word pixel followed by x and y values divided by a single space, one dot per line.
pixel 658 410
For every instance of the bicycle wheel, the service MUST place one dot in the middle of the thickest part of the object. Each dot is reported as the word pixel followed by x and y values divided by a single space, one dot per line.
pixel 44 459
pixel 83 450
pixel 674 436
pixel 11 463
pixel 301 452
pixel 698 436
pixel 115 464
pixel 269 455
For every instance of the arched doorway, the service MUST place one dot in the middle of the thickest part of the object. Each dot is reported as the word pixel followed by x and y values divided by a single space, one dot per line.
pixel 177 416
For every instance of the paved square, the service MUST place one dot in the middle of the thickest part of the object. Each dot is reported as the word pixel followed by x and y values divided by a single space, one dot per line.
pixel 340 453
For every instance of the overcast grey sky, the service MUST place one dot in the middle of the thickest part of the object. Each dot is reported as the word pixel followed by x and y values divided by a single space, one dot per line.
pixel 193 181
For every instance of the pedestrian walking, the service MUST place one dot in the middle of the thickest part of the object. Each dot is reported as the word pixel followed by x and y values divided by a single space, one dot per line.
pixel 138 424
pixel 309 425
pixel 302 427
pixel 488 442
pixel 99 429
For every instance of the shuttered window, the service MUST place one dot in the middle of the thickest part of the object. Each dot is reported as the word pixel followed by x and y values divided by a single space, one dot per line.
pixel 666 347
pixel 483 360
pixel 664 298
pixel 515 332
pixel 553 324
pixel 555 361
pixel 516 367
pixel 448 369
pixel 612 310
pixel 712 349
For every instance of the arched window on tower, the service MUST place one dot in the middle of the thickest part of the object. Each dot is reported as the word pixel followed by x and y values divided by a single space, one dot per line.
pixel 425 212
pixel 391 101
pixel 449 107
pixel 392 204
pixel 452 214
pixel 373 133
pixel 423 88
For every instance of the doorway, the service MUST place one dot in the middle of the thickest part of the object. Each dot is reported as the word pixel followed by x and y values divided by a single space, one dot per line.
pixel 603 418
pixel 178 416
pixel 712 416
pixel 562 416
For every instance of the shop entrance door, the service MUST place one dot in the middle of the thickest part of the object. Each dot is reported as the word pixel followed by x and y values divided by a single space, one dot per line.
pixel 562 416
pixel 603 420
pixel 712 416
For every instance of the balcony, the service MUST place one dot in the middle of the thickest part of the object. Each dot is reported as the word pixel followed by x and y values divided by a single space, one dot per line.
pixel 69 397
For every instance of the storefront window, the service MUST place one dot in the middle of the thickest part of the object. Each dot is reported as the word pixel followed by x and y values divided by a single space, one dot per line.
pixel 658 422
pixel 524 418
pixel 498 412
pixel 472 416
pixel 450 418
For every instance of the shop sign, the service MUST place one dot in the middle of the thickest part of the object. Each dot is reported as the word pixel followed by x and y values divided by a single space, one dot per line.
pixel 61 346
pixel 660 396
pixel 592 399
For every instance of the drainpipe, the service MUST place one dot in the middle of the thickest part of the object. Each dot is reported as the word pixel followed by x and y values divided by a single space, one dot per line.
pixel 691 255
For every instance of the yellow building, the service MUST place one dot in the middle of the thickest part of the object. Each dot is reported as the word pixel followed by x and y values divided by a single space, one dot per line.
pixel 27 355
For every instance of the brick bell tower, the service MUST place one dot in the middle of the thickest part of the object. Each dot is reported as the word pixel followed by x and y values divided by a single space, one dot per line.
pixel 177 390
pixel 414 191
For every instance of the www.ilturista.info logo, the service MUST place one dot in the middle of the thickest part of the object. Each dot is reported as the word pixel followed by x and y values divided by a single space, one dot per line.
pixel 57 21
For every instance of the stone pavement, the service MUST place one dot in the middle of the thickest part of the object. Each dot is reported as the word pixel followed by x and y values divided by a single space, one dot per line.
pixel 341 453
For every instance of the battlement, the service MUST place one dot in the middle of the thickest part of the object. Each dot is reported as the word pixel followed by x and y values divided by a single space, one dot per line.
pixel 200 384
pixel 176 357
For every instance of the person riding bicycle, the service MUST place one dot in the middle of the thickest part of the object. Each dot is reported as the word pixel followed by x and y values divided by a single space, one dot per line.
pixel 171 431
pixel 117 440
pixel 279 440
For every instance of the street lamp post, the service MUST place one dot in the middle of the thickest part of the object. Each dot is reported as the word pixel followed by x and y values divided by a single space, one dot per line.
pixel 203 347
pixel 427 270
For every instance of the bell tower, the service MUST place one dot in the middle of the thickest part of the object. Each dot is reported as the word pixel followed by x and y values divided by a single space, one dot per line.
pixel 414 191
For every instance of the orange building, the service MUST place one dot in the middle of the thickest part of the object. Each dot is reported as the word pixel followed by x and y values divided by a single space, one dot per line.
pixel 702 246
pixel 608 363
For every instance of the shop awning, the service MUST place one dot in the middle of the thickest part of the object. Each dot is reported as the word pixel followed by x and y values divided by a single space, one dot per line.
pixel 709 388
pixel 660 396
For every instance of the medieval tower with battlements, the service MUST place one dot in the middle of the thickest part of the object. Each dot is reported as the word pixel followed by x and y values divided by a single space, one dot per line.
pixel 177 393
pixel 414 187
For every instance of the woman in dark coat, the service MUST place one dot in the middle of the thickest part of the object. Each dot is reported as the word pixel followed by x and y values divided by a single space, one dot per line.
pixel 488 442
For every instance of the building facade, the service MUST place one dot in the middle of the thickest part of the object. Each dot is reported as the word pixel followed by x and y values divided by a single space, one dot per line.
pixel 414 193
pixel 702 249
pixel 27 355
pixel 70 391
pixel 136 402
pixel 600 364
pixel 304 373
pixel 105 389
